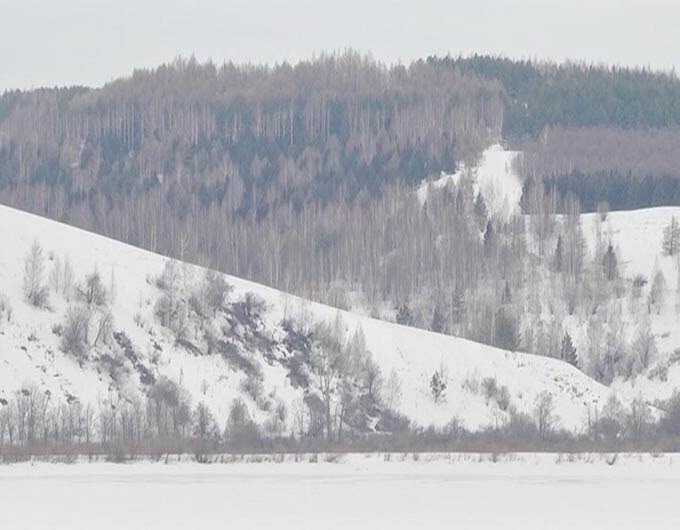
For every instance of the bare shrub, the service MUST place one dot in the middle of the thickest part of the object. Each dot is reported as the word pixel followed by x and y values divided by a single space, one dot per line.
pixel 253 387
pixel 241 431
pixel 205 428
pixel 644 348
pixel 35 291
pixel 104 330
pixel 638 421
pixel 169 279
pixel 75 333
pixel 215 290
pixel 250 309
pixel 670 423
pixel 92 292
pixel 391 391
pixel 5 309
pixel 172 313
pixel 609 426
pixel 544 415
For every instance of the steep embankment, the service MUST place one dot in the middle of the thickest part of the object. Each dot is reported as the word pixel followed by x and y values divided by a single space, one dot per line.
pixel 143 349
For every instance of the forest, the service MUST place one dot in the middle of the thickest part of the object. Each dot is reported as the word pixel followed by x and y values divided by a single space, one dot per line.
pixel 303 177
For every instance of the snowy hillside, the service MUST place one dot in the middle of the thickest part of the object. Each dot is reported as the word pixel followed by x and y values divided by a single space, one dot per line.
pixel 31 352
pixel 637 237
pixel 494 177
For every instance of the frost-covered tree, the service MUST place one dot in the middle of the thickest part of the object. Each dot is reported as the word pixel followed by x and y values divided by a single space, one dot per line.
pixel 215 291
pixel 75 337
pixel 92 292
pixel 392 392
pixel 35 291
pixel 643 347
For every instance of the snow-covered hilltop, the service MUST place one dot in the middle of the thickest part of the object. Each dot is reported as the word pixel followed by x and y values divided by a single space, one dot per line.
pixel 252 347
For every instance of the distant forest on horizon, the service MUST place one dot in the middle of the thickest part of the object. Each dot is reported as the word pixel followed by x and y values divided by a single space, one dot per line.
pixel 303 176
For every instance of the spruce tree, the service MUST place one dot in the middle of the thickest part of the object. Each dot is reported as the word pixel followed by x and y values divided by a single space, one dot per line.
pixel 457 306
pixel 505 331
pixel 438 321
pixel 489 239
pixel 558 258
pixel 610 264
pixel 568 353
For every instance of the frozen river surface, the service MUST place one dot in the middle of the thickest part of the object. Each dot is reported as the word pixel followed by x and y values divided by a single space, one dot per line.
pixel 530 494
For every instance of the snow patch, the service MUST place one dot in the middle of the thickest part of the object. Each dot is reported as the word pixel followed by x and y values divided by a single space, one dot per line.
pixel 495 177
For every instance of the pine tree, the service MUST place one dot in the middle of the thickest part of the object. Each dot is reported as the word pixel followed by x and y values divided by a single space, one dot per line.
pixel 505 331
pixel 657 293
pixel 568 353
pixel 671 238
pixel 558 258
pixel 438 321
pixel 610 264
pixel 489 239
pixel 457 306
pixel 438 385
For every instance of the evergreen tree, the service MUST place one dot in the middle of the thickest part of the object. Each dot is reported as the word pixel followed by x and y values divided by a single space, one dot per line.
pixel 558 257
pixel 610 264
pixel 438 385
pixel 568 353
pixel 438 321
pixel 657 293
pixel 505 331
pixel 457 306
pixel 489 239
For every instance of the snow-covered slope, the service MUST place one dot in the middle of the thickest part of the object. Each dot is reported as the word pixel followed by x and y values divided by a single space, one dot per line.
pixel 637 236
pixel 495 177
pixel 30 346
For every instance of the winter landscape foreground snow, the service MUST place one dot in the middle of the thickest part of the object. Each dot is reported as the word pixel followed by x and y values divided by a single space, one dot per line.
pixel 528 491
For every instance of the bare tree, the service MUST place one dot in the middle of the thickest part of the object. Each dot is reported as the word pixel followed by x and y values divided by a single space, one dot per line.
pixel 35 291
pixel 544 414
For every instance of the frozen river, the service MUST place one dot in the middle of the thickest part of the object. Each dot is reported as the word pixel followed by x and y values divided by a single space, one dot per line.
pixel 535 492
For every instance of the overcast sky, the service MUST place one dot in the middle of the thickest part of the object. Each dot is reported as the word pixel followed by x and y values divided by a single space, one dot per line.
pixel 65 42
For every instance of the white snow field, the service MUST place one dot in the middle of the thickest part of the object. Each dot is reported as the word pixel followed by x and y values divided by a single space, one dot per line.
pixel 495 177
pixel 528 492
pixel 30 350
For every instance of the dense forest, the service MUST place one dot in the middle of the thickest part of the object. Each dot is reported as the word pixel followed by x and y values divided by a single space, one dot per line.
pixel 302 177
pixel 255 136
pixel 541 94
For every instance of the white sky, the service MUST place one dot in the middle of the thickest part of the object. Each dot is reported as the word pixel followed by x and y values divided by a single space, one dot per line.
pixel 64 42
